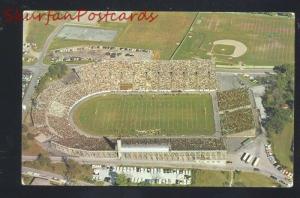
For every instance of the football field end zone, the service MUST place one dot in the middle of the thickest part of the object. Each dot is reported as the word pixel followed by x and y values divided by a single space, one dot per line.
pixel 167 92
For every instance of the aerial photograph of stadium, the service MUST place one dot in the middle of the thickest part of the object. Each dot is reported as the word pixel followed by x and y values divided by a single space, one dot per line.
pixel 163 99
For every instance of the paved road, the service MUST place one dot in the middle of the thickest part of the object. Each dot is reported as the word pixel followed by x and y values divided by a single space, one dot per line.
pixel 236 165
pixel 216 115
pixel 257 149
pixel 43 174
pixel 245 71
pixel 38 69
pixel 49 175
pixel 37 72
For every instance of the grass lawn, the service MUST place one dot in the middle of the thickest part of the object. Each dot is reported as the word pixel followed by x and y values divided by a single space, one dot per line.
pixel 32 148
pixel 24 63
pixel 38 32
pixel 27 179
pixel 244 179
pixel 160 35
pixel 223 49
pixel 173 115
pixel 210 178
pixel 282 145
pixel 269 40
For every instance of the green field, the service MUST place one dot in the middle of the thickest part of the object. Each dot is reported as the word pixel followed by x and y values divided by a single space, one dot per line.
pixel 281 144
pixel 161 35
pixel 210 178
pixel 124 114
pixel 244 179
pixel 38 32
pixel 269 40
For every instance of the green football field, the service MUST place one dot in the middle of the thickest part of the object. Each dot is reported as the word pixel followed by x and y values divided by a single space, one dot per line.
pixel 129 115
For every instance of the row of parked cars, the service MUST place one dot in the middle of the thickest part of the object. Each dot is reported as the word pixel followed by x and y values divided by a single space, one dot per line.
pixel 276 164
pixel 143 174
pixel 247 158
pixel 187 181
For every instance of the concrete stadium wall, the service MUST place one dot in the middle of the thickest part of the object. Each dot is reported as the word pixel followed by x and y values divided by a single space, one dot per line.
pixel 208 157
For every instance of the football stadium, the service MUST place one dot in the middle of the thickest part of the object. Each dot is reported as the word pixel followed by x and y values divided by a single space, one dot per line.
pixel 143 110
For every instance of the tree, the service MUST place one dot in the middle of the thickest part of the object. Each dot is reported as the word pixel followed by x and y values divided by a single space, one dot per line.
pixel 71 168
pixel 122 180
pixel 279 94
pixel 43 159
pixel 55 71
pixel 25 144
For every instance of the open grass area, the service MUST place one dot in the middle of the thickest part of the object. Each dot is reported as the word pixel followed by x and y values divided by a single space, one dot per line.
pixel 269 40
pixel 210 178
pixel 244 179
pixel 38 33
pixel 160 35
pixel 281 144
pixel 131 114
pixel 223 49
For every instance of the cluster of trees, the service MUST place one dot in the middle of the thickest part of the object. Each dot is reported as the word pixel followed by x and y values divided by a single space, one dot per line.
pixel 72 168
pixel 43 160
pixel 122 180
pixel 279 98
pixel 75 171
pixel 55 71
pixel 26 138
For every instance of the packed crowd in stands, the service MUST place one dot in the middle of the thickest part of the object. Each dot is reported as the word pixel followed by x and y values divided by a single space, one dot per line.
pixel 176 144
pixel 180 143
pixel 231 99
pixel 235 111
pixel 108 75
pixel 143 75
pixel 237 121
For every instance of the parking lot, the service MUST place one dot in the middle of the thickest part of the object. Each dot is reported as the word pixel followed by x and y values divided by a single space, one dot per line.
pixel 98 53
pixel 147 175
pixel 86 33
